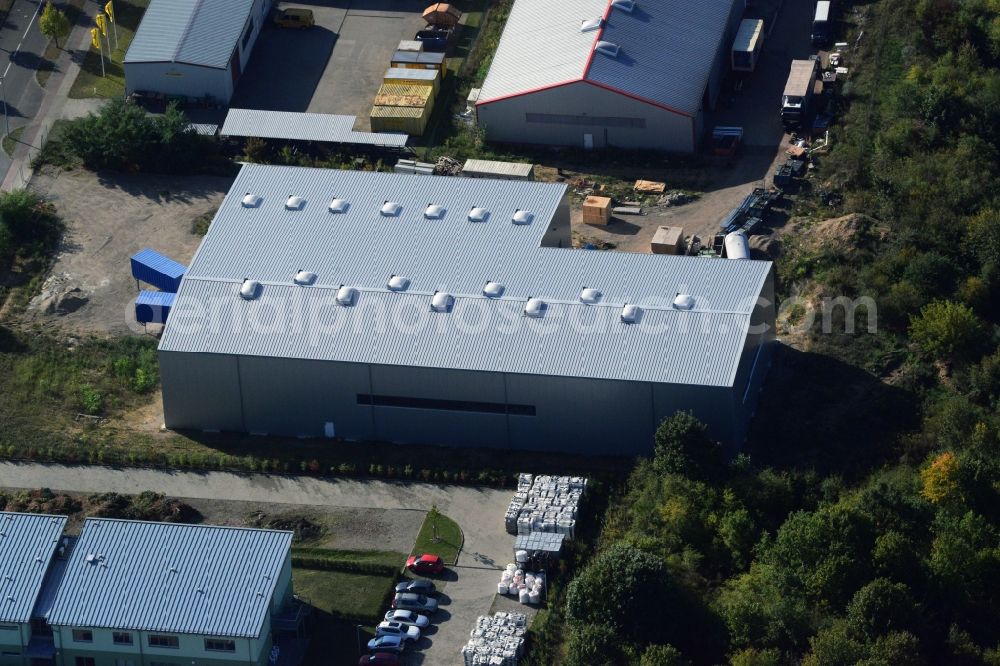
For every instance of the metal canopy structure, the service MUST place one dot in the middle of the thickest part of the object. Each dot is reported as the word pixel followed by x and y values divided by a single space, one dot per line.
pixel 289 126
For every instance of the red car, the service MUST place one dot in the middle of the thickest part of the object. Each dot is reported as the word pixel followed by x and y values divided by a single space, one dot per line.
pixel 380 659
pixel 425 564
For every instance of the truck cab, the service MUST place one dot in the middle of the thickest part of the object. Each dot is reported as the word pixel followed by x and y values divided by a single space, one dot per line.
pixel 821 26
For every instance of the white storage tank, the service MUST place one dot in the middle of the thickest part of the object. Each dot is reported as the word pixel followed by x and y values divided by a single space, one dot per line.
pixel 737 245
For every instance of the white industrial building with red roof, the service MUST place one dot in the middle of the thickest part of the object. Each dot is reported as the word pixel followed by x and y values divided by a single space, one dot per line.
pixel 632 74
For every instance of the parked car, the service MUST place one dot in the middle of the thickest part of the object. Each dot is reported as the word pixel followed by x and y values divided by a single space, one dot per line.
pixel 414 602
pixel 418 586
pixel 425 564
pixel 405 631
pixel 387 644
pixel 407 617
pixel 294 18
pixel 380 659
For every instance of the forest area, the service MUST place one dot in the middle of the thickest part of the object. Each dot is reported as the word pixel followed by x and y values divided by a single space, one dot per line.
pixel 841 536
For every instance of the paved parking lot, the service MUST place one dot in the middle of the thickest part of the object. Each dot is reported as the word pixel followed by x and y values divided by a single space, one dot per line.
pixel 335 67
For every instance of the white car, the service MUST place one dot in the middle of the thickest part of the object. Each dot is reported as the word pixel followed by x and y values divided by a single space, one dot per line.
pixel 408 617
pixel 404 631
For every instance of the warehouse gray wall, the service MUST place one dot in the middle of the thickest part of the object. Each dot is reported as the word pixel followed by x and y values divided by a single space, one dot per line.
pixel 755 361
pixel 179 79
pixel 297 397
pixel 721 65
pixel 201 391
pixel 504 121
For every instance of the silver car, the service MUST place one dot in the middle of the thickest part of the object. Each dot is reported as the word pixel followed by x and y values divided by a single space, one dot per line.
pixel 414 602
pixel 408 617
pixel 405 631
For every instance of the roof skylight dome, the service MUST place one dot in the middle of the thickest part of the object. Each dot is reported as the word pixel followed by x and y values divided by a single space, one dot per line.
pixel 304 278
pixel 250 200
pixel 609 49
pixel 442 301
pixel 391 209
pixel 592 24
pixel 339 206
pixel 535 307
pixel 631 313
pixel 590 296
pixel 684 301
pixel 398 283
pixel 346 296
pixel 434 212
pixel 478 214
pixel 522 217
pixel 295 203
pixel 250 289
pixel 624 5
pixel 493 290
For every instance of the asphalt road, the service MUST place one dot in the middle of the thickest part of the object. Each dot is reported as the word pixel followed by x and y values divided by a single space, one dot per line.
pixel 22 46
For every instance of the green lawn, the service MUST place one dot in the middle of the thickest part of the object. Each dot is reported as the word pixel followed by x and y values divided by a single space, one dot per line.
pixel 90 83
pixel 72 10
pixel 449 539
pixel 344 595
pixel 10 141
pixel 378 557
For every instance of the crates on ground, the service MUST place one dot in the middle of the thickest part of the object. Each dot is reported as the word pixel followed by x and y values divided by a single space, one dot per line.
pixel 496 640
pixel 597 210
pixel 409 120
pixel 667 240
pixel 394 94
pixel 545 504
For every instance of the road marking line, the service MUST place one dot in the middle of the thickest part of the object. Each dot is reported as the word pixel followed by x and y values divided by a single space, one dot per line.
pixel 38 7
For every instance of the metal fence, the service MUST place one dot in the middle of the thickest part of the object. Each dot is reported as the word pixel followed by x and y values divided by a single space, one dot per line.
pixel 21 171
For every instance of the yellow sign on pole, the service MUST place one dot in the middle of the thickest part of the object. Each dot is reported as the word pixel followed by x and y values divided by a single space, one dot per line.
pixel 95 40
pixel 102 24
pixel 109 9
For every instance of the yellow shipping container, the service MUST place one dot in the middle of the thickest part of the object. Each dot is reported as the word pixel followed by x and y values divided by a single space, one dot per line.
pixel 396 95
pixel 409 119
pixel 413 77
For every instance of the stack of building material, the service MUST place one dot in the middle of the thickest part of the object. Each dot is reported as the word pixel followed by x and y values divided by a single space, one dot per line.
pixel 497 640
pixel 597 210
pixel 401 108
pixel 548 504
pixel 525 586
pixel 667 240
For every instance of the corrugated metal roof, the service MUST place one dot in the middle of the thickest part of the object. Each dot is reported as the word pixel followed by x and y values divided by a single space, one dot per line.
pixel 748 34
pixel 192 579
pixel 305 127
pixel 666 49
pixel 28 543
pixel 362 248
pixel 195 32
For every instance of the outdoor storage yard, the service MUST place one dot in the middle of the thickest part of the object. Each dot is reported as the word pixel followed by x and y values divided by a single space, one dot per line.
pixel 335 67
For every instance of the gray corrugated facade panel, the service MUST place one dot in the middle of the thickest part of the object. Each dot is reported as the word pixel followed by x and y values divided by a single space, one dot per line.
pixel 668 50
pixel 541 46
pixel 28 543
pixel 179 79
pixel 362 249
pixel 507 120
pixel 304 127
pixel 192 579
pixel 197 32
pixel 298 398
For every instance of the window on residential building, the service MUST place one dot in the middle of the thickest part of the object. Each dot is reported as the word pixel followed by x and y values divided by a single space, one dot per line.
pixel 161 640
pixel 220 645
pixel 122 638
pixel 83 636
pixel 85 661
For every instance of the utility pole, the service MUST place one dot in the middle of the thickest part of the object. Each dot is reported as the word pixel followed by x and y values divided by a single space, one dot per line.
pixel 6 118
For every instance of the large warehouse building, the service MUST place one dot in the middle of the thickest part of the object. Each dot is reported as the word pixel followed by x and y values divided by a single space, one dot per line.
pixel 444 310
pixel 594 74
pixel 194 48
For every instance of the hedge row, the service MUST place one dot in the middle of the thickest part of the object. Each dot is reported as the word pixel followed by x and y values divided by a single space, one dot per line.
pixel 347 566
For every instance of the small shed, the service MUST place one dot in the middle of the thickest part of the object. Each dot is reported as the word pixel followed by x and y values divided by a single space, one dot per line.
pixel 442 15
pixel 153 307
pixel 498 170
pixel 667 240
pixel 153 268
pixel 597 210
pixel 540 546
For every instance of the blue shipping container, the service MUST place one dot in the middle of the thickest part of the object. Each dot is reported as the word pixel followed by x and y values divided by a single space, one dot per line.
pixel 153 268
pixel 153 307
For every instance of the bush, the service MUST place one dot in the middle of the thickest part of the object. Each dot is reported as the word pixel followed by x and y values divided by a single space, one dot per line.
pixel 682 446
pixel 880 607
pixel 947 330
pixel 594 645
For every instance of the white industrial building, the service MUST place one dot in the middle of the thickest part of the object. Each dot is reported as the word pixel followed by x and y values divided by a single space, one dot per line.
pixel 444 310
pixel 194 48
pixel 632 74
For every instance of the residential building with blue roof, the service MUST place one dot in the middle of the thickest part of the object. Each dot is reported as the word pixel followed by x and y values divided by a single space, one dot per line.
pixel 444 310
pixel 194 48
pixel 634 74
pixel 138 593
pixel 30 544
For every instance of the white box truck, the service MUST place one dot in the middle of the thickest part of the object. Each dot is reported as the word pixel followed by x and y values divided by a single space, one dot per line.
pixel 821 29
pixel 798 92
pixel 747 45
